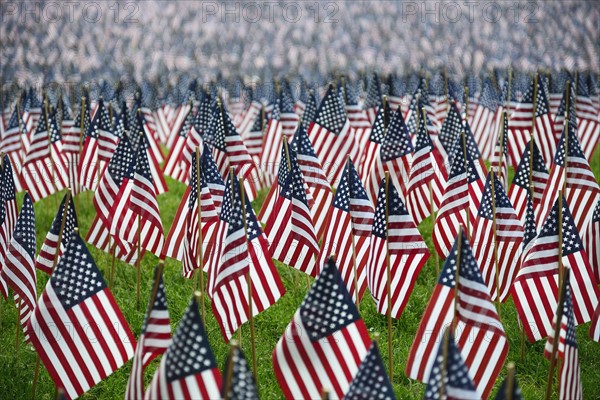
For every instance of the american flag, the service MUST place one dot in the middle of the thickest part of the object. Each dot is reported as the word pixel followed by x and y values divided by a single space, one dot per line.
pixel 449 377
pixel 288 157
pixel 321 349
pixel 561 114
pixel 310 110
pixel 504 392
pixel 272 142
pixel 420 100
pixel 242 254
pixel 32 111
pixel 154 339
pixel 137 216
pixel 193 140
pixel 315 178
pixel 172 166
pixel 44 169
pixel 535 289
pixel 427 167
pixel 141 139
pixel 529 230
pixel 76 295
pixel 71 133
pixel 370 148
pixel 48 253
pixel 581 189
pixel 358 118
pixel 497 232
pixel 521 121
pixel 12 146
pixel 595 325
pixel 520 189
pixel 480 335
pixel 290 228
pixel 8 216
pixel 348 233
pixel 239 376
pixel 470 147
pixel 588 121
pixel 145 124
pixel 89 169
pixel 373 99
pixel 332 136
pixel 500 159
pixel 107 140
pixel 394 156
pixel 485 116
pixel 394 232
pixel 567 349
pixel 251 114
pixel 591 240
pixel 371 380
pixel 451 129
pixel 229 150
pixel 19 269
pixel 188 369
pixel 254 137
pixel 289 118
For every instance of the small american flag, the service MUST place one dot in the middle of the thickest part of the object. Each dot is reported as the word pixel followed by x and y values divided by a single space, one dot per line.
pixel 77 296
pixel 188 370
pixel 540 269
pixel 394 156
pixel 272 142
pixel 373 99
pixel 333 345
pixel 107 140
pixel 450 130
pixel 371 380
pixel 348 233
pixel 140 137
pixel 50 247
pixel 529 229
pixel 239 376
pixel 595 325
pixel 569 374
pixel 591 242
pixel 503 239
pixel 588 124
pixel 173 162
pixel 395 232
pixel 289 118
pixel 561 113
pixel 370 147
pixel 520 189
pixel 290 228
pixel 357 116
pixel 12 146
pixel 332 136
pixel 504 393
pixel 310 110
pixel 19 268
pixel 500 159
pixel 88 163
pixel 450 377
pixel 486 114
pixel 154 339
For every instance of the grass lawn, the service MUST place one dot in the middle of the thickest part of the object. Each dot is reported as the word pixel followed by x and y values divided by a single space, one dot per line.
pixel 16 370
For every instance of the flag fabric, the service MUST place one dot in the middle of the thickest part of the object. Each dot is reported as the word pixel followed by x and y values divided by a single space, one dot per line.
pixel 371 380
pixel 588 120
pixel 8 216
pixel 51 250
pixel 562 113
pixel 450 377
pixel 19 269
pixel 480 335
pixel 348 233
pixel 427 167
pixel 485 115
pixel 504 393
pixel 253 139
pixel 358 118
pixel 521 120
pixel 272 142
pixel 140 137
pixel 44 169
pixel 172 165
pixel 154 339
pixel 581 188
pixel 315 178
pixel 89 170
pixel 394 156
pixel 332 136
pixel 188 368
pixel 595 325
pixel 242 254
pixel 450 131
pixel 520 189
pixel 500 159
pixel 283 170
pixel 394 231
pixel 591 241
pixel 76 295
pixel 370 148
pixel 11 145
pixel 289 118
pixel 238 374
pixel 569 372
pixel 535 290
pixel 529 230
pixel 503 239
pixel 70 132
pixel 373 97
pixel 321 349
pixel 290 229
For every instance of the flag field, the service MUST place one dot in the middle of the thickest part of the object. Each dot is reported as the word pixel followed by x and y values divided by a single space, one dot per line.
pixel 17 370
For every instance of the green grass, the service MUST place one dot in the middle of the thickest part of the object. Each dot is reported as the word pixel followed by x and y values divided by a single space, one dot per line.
pixel 16 370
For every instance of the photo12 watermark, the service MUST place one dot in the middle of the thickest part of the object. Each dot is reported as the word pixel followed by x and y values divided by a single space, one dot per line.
pixel 52 12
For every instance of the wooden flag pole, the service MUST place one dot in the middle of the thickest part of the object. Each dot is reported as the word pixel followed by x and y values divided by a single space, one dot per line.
pixel 18 329
pixel 155 285
pixel 229 369
pixel 200 255
pixel 289 168
pixel 249 279
pixel 508 89
pixel 36 372
pixel 504 180
pixel 456 276
pixel 510 381
pixel 557 326
pixel 388 273
pixel 324 394
pixel 113 250
pixel 232 182
pixel 466 102
pixel 81 133
pixel 354 267
pixel 495 233
pixel 138 261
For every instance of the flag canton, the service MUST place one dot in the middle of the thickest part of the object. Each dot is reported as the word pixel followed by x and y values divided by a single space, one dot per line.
pixel 65 112
pixel 258 124
pixel 70 220
pixel 24 233
pixel 451 368
pixel 86 118
pixel 310 110
pixel 350 187
pixel 242 384
pixel 160 300
pixel 122 124
pixel 210 172
pixel 371 380
pixel 13 122
pixel 395 208
pixel 500 198
pixel 54 132
pixel 76 277
pixel 423 139
pixel 187 123
pixel 451 127
pixel 571 240
pixel 142 166
pixel 122 163
pixel 574 147
pixel 294 186
pixel 276 112
pixel 216 131
pixel 541 101
pixel 448 275
pixel 595 216
pixel 331 114
pixel 504 138
pixel 352 93
pixel 530 227
pixel 231 211
pixel 373 92
pixel 189 353
pixel 328 307
pixel 204 115
pixel 563 106
pixel 522 175
pixel 472 148
pixel 378 131
pixel 302 144
pixel 8 190
pixel 570 339
pixel 489 96
pixel 286 103
pixel 468 268
pixel 397 142
pixel 193 183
